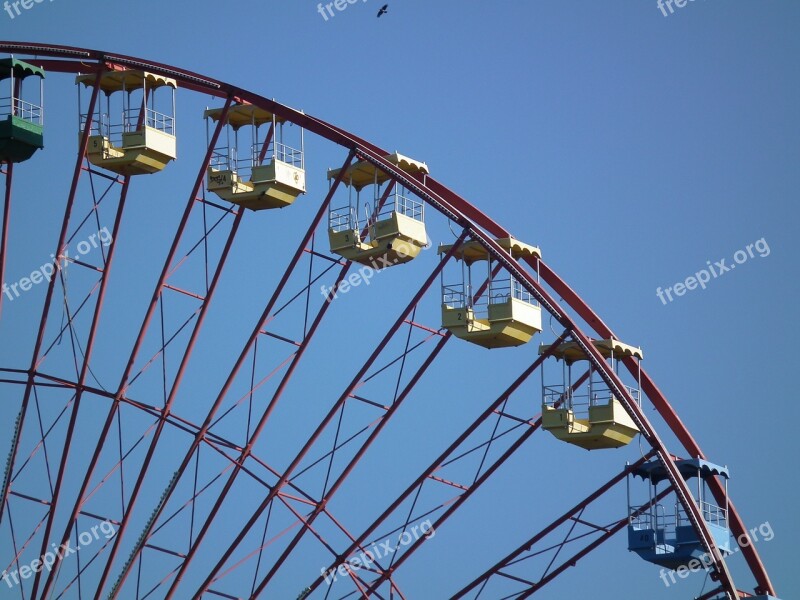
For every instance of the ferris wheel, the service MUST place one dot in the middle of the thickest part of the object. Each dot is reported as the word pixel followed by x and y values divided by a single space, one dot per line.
pixel 148 460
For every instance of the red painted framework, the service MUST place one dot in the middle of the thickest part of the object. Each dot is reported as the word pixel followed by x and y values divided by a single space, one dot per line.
pixel 480 227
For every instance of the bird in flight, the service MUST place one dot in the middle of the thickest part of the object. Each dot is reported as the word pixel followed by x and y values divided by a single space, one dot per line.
pixel 384 9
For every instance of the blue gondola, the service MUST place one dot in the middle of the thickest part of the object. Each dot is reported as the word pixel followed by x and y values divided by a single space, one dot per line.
pixel 663 534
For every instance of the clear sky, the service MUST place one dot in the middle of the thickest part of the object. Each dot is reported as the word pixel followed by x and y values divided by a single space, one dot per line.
pixel 632 147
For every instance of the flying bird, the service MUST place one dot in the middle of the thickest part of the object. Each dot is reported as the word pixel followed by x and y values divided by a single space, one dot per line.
pixel 384 9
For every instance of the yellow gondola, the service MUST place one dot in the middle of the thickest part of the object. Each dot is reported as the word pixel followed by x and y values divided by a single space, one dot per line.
pixel 506 315
pixel 595 419
pixel 143 140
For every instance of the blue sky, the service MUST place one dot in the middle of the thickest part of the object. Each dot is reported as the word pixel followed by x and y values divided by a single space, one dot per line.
pixel 631 147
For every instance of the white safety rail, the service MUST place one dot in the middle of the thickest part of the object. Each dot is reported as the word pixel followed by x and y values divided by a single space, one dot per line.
pixel 27 111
